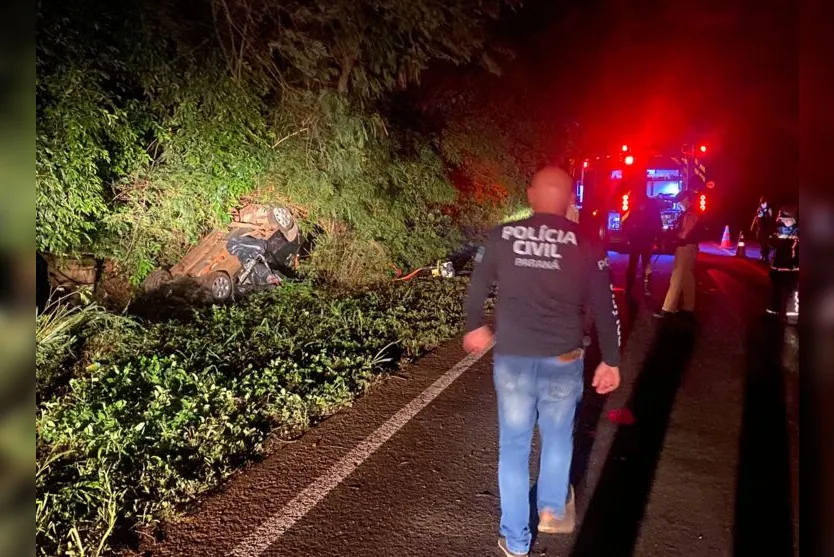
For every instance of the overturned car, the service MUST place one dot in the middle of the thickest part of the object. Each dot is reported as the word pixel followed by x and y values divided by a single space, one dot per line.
pixel 258 250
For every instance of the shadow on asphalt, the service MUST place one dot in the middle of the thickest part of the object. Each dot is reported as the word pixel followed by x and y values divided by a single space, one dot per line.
pixel 612 521
pixel 763 514
pixel 590 408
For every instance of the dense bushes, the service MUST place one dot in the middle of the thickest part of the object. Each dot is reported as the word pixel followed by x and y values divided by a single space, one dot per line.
pixel 159 415
pixel 155 118
pixel 64 332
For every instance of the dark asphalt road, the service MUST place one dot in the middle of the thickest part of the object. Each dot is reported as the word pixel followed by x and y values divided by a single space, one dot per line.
pixel 709 469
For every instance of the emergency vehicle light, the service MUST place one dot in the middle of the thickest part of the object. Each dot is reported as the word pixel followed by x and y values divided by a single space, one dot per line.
pixel 625 148
pixel 625 202
pixel 703 204
pixel 703 148
pixel 629 160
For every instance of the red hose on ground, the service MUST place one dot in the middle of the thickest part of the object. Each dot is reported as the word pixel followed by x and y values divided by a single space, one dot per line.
pixel 410 275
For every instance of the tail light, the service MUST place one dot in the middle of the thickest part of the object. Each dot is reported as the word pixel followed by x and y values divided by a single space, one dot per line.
pixel 625 202
pixel 703 203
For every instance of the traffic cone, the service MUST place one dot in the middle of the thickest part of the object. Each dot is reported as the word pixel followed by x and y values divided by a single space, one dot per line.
pixel 741 248
pixel 725 240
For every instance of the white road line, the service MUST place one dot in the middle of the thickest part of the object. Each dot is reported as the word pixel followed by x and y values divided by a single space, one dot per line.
pixel 276 525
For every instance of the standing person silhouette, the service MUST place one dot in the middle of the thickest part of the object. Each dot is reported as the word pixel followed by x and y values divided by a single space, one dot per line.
pixel 784 269
pixel 642 228
pixel 762 227
pixel 680 297
pixel 546 273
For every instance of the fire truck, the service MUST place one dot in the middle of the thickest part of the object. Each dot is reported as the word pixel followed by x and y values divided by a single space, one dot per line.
pixel 605 190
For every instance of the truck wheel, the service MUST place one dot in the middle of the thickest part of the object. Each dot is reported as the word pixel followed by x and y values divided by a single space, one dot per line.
pixel 156 279
pixel 220 285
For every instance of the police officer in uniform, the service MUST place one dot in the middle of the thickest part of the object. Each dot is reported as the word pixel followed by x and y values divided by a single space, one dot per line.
pixel 762 227
pixel 784 269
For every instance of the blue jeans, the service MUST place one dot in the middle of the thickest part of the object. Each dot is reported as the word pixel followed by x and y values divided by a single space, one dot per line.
pixel 528 388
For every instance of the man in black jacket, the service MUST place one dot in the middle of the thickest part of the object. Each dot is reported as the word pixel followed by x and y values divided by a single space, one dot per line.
pixel 547 272
pixel 642 227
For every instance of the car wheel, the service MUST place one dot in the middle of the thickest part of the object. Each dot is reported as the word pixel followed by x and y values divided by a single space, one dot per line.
pixel 280 217
pixel 220 286
pixel 156 279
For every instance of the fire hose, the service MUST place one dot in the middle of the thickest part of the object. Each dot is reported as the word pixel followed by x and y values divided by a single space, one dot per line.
pixel 410 275
pixel 445 270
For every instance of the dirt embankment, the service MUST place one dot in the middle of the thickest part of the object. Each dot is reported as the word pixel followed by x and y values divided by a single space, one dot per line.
pixel 111 288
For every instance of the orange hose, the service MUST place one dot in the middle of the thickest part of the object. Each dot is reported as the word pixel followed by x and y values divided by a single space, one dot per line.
pixel 410 275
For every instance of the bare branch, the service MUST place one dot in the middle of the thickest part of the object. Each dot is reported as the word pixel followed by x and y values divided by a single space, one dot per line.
pixel 293 134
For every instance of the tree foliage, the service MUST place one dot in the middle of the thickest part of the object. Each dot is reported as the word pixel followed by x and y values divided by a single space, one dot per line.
pixel 496 131
pixel 155 118
pixel 367 47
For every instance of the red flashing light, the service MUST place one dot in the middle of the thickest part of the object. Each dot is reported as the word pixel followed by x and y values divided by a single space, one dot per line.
pixel 585 164
pixel 625 148
pixel 625 202
pixel 703 203
pixel 703 148
pixel 629 160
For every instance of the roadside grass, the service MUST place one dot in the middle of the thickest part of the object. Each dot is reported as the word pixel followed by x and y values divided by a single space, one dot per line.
pixel 136 419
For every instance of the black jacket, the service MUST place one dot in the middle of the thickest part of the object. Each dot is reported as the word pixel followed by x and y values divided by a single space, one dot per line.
pixel 643 224
pixel 547 272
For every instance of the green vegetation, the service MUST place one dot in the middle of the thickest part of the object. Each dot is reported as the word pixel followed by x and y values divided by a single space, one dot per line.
pixel 156 119
pixel 64 332
pixel 154 419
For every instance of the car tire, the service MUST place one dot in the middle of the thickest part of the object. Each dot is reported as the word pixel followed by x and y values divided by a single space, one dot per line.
pixel 220 286
pixel 280 217
pixel 156 279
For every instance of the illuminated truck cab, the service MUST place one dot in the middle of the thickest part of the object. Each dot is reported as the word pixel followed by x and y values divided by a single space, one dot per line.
pixel 605 198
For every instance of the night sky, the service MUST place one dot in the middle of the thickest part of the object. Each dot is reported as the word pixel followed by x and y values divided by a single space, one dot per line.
pixel 664 72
